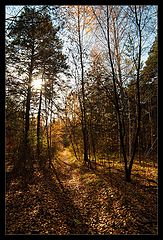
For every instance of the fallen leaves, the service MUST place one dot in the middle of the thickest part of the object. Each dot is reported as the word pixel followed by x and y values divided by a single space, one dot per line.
pixel 91 203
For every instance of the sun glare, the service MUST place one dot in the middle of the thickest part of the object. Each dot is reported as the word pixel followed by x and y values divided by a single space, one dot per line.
pixel 37 84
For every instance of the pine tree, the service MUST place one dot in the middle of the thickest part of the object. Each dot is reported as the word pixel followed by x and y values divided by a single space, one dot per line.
pixel 33 48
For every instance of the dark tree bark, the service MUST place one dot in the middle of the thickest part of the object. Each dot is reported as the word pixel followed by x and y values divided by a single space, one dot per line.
pixel 120 122
pixel 128 169
pixel 26 154
pixel 83 108
pixel 135 144
pixel 47 133
pixel 39 127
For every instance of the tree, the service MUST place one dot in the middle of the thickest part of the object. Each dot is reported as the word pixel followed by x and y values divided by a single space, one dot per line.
pixel 72 122
pixel 100 111
pixel 78 26
pixel 33 48
pixel 149 81
pixel 123 26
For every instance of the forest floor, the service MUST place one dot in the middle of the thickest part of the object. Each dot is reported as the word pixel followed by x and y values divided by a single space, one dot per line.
pixel 76 200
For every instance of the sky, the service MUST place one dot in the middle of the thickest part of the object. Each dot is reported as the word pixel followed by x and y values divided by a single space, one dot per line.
pixel 14 10
pixel 11 11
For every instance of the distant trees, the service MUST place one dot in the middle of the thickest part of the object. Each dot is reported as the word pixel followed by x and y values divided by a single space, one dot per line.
pixel 101 114
pixel 72 121
pixel 149 89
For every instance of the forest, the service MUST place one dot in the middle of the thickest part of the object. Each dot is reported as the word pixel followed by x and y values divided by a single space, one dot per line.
pixel 81 110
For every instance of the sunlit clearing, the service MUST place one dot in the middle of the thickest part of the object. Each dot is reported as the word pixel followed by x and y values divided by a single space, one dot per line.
pixel 37 84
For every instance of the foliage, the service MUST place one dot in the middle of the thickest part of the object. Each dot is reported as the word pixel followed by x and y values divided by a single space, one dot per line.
pixel 81 147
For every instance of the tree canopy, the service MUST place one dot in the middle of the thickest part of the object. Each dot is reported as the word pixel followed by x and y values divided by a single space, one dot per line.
pixel 81 118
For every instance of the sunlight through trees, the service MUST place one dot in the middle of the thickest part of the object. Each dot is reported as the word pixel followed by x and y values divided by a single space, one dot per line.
pixel 80 117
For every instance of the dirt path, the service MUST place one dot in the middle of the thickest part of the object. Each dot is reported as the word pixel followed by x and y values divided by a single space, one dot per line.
pixel 83 202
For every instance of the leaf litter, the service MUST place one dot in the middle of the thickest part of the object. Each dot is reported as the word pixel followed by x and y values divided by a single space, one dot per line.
pixel 89 202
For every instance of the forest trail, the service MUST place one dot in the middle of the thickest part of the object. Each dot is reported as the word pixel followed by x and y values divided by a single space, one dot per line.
pixel 81 202
pixel 69 170
pixel 81 81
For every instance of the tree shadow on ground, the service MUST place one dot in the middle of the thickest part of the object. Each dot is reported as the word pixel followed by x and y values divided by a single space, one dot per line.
pixel 33 211
pixel 70 213
pixel 139 200
pixel 28 211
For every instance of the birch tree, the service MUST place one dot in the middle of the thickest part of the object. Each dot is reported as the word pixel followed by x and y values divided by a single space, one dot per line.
pixel 120 25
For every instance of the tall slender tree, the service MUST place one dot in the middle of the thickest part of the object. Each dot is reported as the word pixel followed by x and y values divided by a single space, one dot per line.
pixel 33 47
pixel 115 34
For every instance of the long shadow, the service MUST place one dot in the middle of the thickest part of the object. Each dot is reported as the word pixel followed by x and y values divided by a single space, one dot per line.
pixel 18 209
pixel 135 201
pixel 75 222
pixel 138 199
pixel 98 206
pixel 135 197
pixel 10 176
pixel 8 179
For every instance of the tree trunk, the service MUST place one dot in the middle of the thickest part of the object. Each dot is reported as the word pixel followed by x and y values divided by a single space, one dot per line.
pixel 138 95
pixel 38 129
pixel 47 134
pixel 26 152
pixel 83 109
pixel 92 140
pixel 129 130
pixel 117 107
